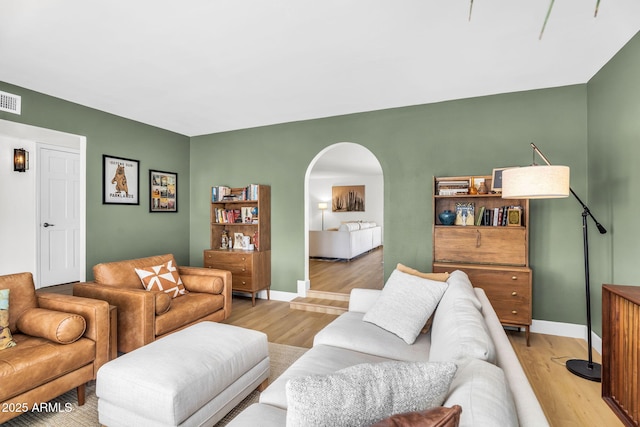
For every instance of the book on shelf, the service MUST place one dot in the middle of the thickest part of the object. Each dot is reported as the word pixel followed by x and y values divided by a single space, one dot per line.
pixel 223 193
pixel 452 188
pixel 480 219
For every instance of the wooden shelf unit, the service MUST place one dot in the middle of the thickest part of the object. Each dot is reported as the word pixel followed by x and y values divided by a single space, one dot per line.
pixel 250 269
pixel 621 351
pixel 496 258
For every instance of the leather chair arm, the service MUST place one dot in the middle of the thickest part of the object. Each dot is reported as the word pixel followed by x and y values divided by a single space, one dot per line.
pixel 136 312
pixel 96 316
pixel 211 272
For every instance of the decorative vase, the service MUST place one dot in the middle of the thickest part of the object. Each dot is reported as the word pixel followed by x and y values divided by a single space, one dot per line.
pixel 224 241
pixel 482 189
pixel 447 217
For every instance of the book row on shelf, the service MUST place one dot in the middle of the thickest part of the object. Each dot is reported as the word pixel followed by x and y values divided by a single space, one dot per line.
pixel 222 193
pixel 242 215
pixel 501 216
pixel 453 188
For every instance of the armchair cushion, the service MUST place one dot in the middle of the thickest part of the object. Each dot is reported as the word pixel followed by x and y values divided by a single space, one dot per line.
pixel 6 339
pixel 56 326
pixel 163 277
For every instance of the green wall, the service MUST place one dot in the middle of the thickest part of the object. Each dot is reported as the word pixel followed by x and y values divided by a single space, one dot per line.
pixel 591 128
pixel 614 151
pixel 470 136
pixel 115 231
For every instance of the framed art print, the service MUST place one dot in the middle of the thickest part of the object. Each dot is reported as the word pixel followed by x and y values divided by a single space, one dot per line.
pixel 120 180
pixel 163 191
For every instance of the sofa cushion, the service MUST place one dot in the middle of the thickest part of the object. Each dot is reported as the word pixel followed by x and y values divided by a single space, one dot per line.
pixel 459 330
pixel 163 277
pixel 349 226
pixel 187 309
pixel 366 393
pixel 405 304
pixel 481 389
pixel 319 360
pixel 56 326
pixel 436 417
pixel 37 360
pixel 349 331
pixel 6 339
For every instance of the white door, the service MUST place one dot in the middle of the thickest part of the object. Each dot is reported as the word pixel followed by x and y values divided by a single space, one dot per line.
pixel 59 219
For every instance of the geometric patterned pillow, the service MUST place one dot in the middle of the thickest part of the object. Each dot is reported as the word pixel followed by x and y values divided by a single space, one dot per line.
pixel 6 339
pixel 162 277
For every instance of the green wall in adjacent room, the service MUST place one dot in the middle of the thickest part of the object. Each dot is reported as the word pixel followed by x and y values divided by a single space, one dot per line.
pixel 470 136
pixel 117 232
pixel 614 152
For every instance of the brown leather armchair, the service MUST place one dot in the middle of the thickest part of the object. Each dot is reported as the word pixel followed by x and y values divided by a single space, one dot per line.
pixel 144 316
pixel 61 342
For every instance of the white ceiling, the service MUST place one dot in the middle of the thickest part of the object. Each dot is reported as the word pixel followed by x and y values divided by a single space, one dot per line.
pixel 203 66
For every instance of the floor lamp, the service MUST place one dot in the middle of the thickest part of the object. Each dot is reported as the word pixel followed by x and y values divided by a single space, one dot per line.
pixel 548 182
pixel 322 207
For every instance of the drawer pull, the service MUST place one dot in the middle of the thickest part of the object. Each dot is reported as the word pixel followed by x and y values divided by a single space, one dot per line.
pixel 244 283
pixel 209 256
pixel 478 238
pixel 514 312
pixel 514 277
pixel 244 269
pixel 514 293
pixel 243 258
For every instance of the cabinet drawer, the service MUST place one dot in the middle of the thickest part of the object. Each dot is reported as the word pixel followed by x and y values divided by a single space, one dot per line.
pixel 509 290
pixel 481 245
pixel 236 263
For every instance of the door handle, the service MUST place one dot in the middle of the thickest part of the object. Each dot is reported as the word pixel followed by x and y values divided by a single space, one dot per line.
pixel 46 224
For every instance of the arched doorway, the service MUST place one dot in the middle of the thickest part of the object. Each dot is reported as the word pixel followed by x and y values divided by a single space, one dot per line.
pixel 341 164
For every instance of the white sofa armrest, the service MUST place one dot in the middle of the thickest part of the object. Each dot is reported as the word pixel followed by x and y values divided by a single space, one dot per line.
pixel 361 300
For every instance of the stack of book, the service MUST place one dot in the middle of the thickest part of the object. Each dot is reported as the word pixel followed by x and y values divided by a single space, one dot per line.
pixel 453 188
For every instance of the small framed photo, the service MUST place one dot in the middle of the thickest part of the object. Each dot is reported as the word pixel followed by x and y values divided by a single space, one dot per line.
pixel 163 191
pixel 237 240
pixel 496 180
pixel 120 181
pixel 514 217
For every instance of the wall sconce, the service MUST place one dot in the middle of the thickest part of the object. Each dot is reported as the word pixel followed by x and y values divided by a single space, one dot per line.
pixel 322 206
pixel 20 160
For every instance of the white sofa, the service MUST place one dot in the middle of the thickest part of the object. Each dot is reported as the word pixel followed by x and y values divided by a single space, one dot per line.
pixel 348 241
pixel 490 384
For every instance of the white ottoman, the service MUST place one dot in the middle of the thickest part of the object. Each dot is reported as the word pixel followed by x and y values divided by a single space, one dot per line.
pixel 192 377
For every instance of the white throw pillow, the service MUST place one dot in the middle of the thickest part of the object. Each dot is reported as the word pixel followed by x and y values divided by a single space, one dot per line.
pixel 363 394
pixel 405 304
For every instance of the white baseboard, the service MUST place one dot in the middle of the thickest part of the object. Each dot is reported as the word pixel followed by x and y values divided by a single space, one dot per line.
pixel 570 330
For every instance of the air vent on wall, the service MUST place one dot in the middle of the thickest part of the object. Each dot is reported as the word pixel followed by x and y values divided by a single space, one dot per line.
pixel 10 102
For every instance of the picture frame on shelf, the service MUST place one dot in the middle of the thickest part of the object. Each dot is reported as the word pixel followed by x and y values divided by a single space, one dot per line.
pixel 163 191
pixel 465 213
pixel 120 180
pixel 237 240
pixel 496 180
pixel 514 217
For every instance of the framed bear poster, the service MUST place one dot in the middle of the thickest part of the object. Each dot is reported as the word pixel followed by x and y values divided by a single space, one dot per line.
pixel 120 180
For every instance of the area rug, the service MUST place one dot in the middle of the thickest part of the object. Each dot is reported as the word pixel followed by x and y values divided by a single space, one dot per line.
pixel 64 411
